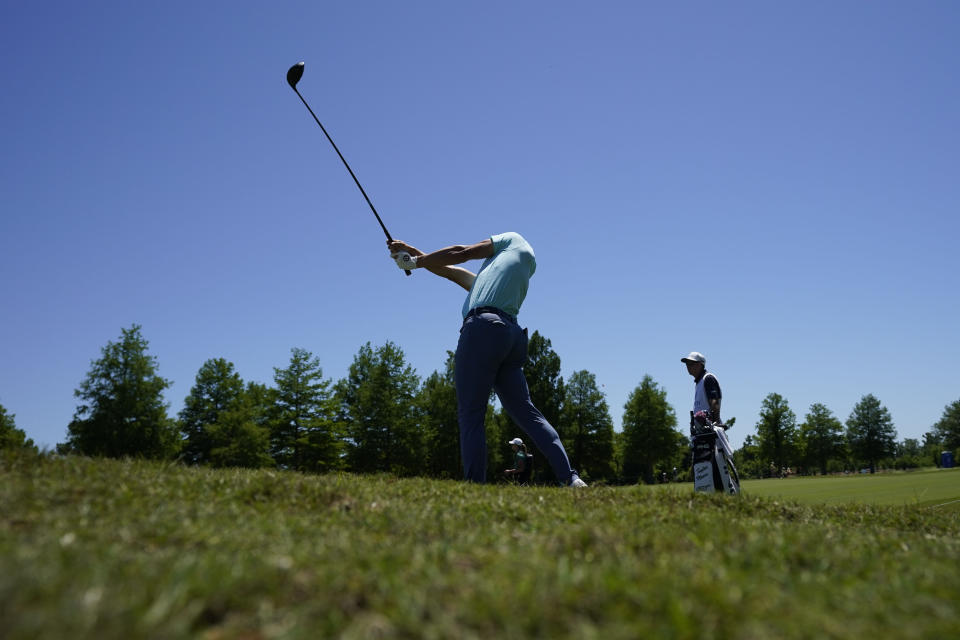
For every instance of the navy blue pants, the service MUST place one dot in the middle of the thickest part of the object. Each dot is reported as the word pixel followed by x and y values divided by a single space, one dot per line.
pixel 490 355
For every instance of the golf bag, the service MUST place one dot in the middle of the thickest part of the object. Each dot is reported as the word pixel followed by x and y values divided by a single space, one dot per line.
pixel 713 468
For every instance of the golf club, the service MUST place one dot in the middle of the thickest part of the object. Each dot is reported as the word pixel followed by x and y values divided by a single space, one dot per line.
pixel 293 77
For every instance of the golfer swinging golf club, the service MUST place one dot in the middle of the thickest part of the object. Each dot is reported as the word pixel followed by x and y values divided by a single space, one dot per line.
pixel 492 348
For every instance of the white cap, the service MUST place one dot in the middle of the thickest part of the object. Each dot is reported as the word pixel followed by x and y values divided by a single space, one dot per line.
pixel 695 356
pixel 516 441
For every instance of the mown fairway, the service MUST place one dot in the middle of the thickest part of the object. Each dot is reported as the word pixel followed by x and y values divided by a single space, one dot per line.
pixel 934 488
pixel 109 549
pixel 937 488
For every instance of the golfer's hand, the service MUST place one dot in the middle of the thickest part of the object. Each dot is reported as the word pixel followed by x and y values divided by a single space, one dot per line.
pixel 399 246
pixel 404 260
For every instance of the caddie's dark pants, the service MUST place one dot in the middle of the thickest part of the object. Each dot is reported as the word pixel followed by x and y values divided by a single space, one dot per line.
pixel 490 355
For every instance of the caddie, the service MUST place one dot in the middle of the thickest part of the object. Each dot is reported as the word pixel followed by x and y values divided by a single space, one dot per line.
pixel 707 395
pixel 713 468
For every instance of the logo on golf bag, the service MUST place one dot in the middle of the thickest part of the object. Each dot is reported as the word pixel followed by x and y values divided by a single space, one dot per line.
pixel 703 477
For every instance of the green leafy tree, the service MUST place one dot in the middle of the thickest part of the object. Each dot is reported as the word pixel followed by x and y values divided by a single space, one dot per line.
pixel 240 436
pixel 263 401
pixel 303 434
pixel 542 372
pixel 649 432
pixel 909 448
pixel 932 447
pixel 377 404
pixel 10 436
pixel 909 454
pixel 947 429
pixel 216 388
pixel 821 437
pixel 122 411
pixel 748 459
pixel 871 435
pixel 588 427
pixel 619 443
pixel 777 432
pixel 682 458
pixel 437 403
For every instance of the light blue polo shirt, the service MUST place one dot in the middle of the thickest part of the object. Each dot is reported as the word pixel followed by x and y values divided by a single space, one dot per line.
pixel 503 277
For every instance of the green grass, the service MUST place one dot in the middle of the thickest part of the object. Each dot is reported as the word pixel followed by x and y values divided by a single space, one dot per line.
pixel 938 488
pixel 934 488
pixel 114 549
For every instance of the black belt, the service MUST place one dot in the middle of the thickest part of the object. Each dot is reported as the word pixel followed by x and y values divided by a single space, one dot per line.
pixel 478 310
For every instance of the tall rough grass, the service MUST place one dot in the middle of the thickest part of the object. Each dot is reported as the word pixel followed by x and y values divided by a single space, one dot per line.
pixel 129 549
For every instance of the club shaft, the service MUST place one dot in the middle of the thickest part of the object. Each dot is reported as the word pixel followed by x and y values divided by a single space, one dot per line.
pixel 344 160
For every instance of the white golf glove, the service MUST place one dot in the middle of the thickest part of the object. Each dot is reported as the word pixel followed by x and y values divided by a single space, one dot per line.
pixel 404 260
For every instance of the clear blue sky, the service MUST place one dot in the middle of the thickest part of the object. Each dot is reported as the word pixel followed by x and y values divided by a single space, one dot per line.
pixel 775 184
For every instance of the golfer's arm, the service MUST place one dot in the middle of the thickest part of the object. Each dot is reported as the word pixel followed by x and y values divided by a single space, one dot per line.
pixel 458 275
pixel 456 254
pixel 441 262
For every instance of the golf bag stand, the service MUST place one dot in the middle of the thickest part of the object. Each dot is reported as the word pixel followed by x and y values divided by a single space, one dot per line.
pixel 713 468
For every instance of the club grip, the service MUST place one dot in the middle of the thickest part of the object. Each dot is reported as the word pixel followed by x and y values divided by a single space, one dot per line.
pixel 407 271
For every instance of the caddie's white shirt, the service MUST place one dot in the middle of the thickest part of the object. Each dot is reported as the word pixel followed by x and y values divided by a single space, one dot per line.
pixel 700 402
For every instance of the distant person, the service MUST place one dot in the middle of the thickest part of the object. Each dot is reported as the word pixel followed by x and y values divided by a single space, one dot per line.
pixel 522 464
pixel 707 395
pixel 492 348
pixel 713 468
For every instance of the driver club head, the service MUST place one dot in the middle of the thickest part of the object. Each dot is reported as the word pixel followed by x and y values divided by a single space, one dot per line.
pixel 294 74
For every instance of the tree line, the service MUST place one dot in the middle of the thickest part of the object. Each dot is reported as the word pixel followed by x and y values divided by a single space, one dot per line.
pixel 821 444
pixel 383 418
